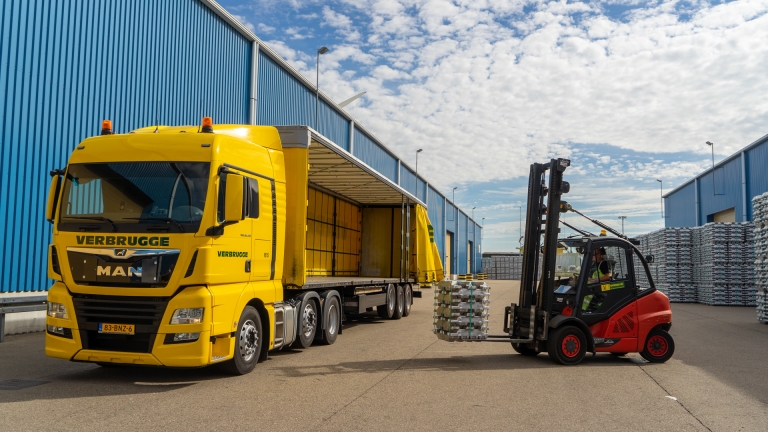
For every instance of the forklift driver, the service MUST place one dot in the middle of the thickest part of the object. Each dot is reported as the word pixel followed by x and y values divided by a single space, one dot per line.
pixel 601 269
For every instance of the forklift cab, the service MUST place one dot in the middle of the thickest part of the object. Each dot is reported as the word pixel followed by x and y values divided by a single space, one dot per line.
pixel 584 295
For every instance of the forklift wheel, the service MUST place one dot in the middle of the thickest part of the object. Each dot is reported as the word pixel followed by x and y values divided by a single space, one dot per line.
pixel 525 350
pixel 567 345
pixel 659 346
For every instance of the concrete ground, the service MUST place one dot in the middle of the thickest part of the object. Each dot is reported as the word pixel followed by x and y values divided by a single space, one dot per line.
pixel 396 375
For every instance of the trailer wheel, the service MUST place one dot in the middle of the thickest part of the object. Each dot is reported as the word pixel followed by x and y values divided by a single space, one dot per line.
pixel 659 346
pixel 332 321
pixel 525 350
pixel 387 310
pixel 408 300
pixel 567 345
pixel 308 325
pixel 399 300
pixel 248 341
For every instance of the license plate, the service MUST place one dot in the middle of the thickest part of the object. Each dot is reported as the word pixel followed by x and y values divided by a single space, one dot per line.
pixel 127 329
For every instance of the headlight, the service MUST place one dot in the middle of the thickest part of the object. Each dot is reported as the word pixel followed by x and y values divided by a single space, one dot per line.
pixel 187 316
pixel 186 337
pixel 57 310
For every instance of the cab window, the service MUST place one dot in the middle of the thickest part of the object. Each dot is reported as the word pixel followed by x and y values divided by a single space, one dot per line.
pixel 253 198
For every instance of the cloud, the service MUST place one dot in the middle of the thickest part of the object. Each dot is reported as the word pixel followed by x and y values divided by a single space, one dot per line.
pixel 486 87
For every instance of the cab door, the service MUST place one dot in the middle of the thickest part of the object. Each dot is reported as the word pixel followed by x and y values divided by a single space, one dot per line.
pixel 261 213
pixel 600 300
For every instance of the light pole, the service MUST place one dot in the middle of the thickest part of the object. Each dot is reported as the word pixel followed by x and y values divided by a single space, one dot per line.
pixel 473 213
pixel 417 161
pixel 712 146
pixel 454 195
pixel 482 225
pixel 622 223
pixel 661 195
pixel 320 51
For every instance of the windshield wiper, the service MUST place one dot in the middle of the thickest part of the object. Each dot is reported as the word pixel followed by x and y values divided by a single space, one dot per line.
pixel 165 219
pixel 100 218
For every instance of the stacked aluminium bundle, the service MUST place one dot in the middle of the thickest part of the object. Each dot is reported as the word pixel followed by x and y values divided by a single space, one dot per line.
pixel 760 232
pixel 461 310
pixel 723 264
pixel 505 267
pixel 671 269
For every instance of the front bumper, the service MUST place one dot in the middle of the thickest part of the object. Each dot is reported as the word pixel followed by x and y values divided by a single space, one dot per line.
pixel 156 352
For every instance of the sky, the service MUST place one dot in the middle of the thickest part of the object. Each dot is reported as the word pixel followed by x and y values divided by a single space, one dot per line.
pixel 628 90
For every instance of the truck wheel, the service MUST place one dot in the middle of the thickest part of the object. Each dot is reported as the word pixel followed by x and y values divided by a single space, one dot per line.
pixel 524 349
pixel 567 345
pixel 332 321
pixel 399 300
pixel 248 343
pixel 408 295
pixel 387 310
pixel 659 346
pixel 308 326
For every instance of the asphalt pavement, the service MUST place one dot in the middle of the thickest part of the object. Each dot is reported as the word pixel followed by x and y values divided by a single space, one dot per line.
pixel 396 375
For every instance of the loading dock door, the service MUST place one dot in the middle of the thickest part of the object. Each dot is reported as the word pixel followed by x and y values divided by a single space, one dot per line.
pixel 469 258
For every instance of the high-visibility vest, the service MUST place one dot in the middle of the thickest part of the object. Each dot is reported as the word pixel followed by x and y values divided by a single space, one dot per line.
pixel 597 274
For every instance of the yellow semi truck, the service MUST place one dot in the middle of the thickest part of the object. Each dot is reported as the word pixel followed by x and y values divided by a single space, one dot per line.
pixel 196 245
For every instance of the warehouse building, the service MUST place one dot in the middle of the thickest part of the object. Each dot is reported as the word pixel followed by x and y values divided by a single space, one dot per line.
pixel 723 193
pixel 67 65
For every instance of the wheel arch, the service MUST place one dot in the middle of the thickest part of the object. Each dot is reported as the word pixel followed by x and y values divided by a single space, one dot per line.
pixel 264 318
pixel 563 320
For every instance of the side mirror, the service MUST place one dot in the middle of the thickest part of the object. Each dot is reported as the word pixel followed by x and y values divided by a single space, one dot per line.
pixel 233 198
pixel 649 258
pixel 53 198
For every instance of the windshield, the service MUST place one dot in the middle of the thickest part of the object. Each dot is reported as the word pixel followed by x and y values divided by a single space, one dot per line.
pixel 134 196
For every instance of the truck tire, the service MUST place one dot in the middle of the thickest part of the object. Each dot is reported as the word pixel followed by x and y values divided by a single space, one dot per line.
pixel 408 294
pixel 659 346
pixel 567 345
pixel 524 349
pixel 307 324
pixel 399 302
pixel 332 321
pixel 248 343
pixel 387 310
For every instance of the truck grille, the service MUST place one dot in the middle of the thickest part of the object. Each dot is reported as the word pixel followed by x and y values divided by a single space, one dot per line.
pixel 144 312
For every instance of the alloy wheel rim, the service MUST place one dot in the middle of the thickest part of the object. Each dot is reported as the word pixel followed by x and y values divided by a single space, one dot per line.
pixel 248 340
pixel 308 321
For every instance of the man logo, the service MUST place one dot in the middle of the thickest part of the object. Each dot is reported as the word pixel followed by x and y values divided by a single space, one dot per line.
pixel 118 271
pixel 120 252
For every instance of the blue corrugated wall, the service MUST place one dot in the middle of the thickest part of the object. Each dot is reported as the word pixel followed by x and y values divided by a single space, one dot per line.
pixel 757 173
pixel 681 211
pixel 66 65
pixel 436 211
pixel 376 157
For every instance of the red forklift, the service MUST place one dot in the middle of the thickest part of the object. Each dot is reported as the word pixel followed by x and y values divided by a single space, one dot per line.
pixel 599 305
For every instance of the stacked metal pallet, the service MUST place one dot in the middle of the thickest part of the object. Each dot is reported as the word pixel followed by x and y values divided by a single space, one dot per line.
pixel 504 267
pixel 723 264
pixel 671 269
pixel 461 310
pixel 760 233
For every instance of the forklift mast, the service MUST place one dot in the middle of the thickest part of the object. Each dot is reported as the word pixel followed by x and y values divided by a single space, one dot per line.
pixel 542 218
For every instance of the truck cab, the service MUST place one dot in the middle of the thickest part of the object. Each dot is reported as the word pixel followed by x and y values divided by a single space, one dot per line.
pixel 161 237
